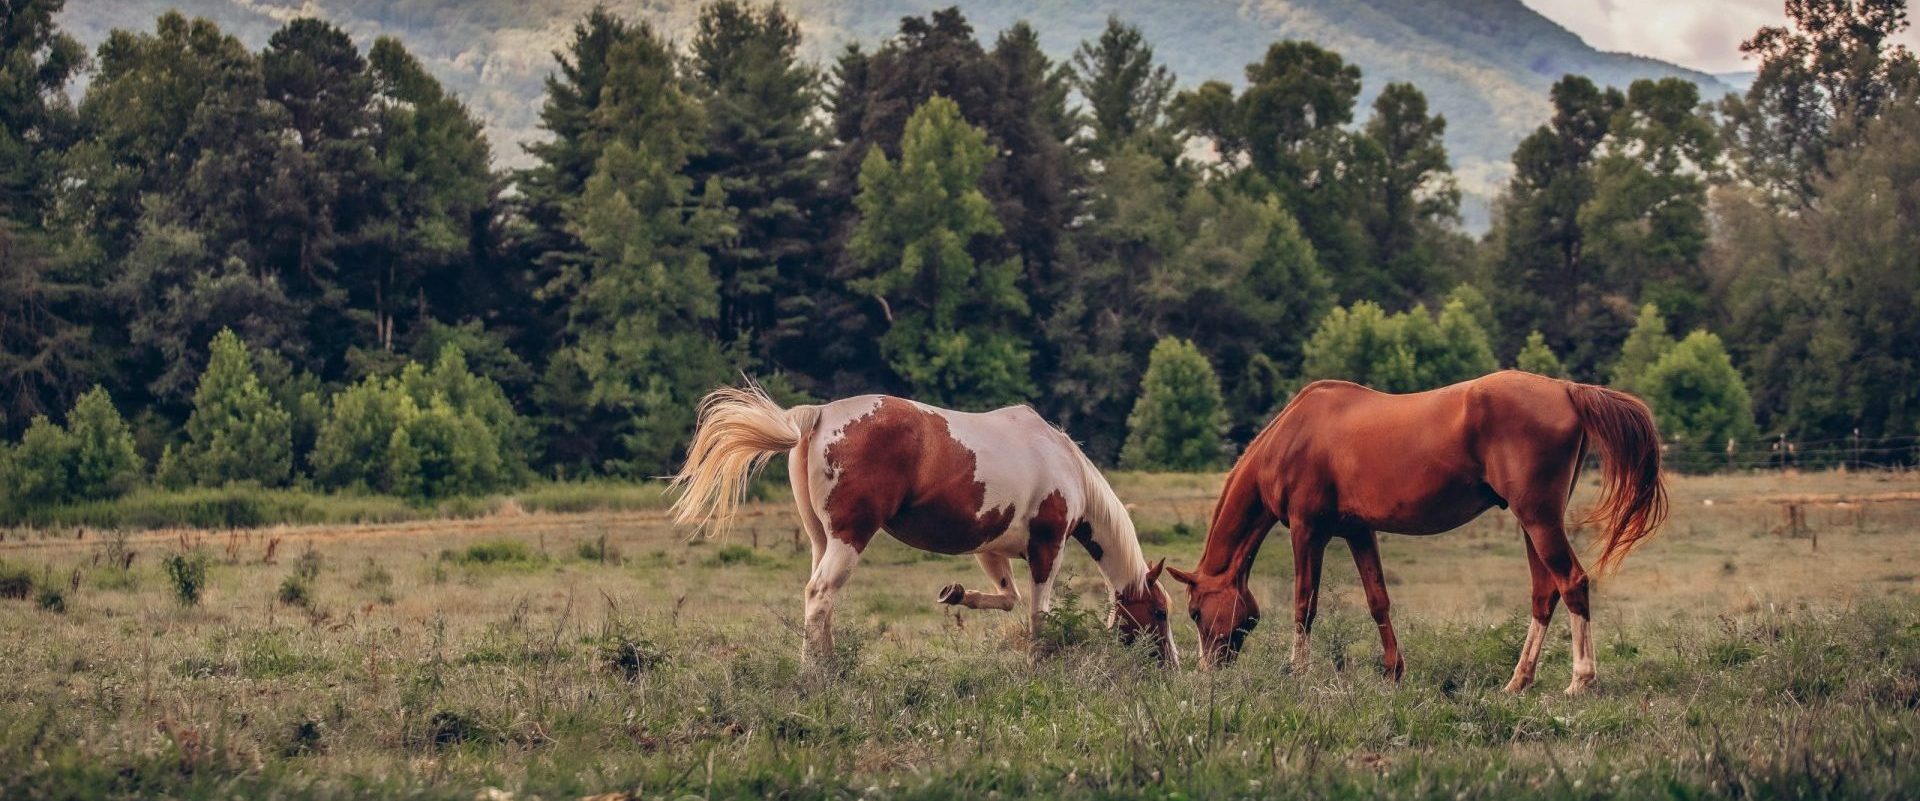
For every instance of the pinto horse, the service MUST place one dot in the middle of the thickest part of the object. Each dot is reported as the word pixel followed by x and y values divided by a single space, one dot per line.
pixel 999 485
pixel 1345 461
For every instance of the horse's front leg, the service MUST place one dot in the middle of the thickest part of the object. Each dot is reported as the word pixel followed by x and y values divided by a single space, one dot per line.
pixel 999 572
pixel 1308 548
pixel 837 561
pixel 1043 555
pixel 1366 558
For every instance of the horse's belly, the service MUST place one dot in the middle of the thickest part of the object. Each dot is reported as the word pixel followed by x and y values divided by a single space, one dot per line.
pixel 1424 513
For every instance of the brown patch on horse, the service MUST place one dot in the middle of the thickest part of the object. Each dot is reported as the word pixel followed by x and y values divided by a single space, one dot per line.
pixel 1045 533
pixel 900 468
pixel 1083 532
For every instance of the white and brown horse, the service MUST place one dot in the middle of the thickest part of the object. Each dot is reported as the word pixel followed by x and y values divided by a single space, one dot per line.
pixel 999 485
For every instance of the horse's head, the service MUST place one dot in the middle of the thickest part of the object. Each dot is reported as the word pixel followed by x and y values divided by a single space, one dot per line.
pixel 1223 610
pixel 1143 609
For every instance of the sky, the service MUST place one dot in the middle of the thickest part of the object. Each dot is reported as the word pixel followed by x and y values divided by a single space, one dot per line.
pixel 1702 34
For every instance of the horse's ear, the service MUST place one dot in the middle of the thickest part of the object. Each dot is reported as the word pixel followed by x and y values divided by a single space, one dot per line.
pixel 1182 576
pixel 1153 573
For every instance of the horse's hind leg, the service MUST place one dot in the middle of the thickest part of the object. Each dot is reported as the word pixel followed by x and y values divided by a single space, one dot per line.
pixel 1366 558
pixel 798 478
pixel 1547 534
pixel 999 572
pixel 837 560
pixel 1546 594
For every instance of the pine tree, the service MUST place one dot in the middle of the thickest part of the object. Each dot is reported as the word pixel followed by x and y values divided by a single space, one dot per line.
pixel 949 314
pixel 1535 357
pixel 44 358
pixel 1547 281
pixel 236 431
pixel 1126 91
pixel 429 201
pixel 641 295
pixel 1179 422
pixel 105 464
pixel 1646 343
pixel 763 147
pixel 1409 198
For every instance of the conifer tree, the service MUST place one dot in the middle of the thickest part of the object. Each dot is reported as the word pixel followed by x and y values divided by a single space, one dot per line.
pixel 236 432
pixel 1179 422
pixel 950 316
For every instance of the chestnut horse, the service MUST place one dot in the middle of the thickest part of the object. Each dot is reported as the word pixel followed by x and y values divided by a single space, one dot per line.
pixel 999 485
pixel 1345 461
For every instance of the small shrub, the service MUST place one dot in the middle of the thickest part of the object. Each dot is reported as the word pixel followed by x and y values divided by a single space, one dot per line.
pixel 51 598
pixel 303 738
pixel 631 657
pixel 377 580
pixel 492 552
pixel 599 550
pixel 448 727
pixel 15 582
pixel 296 591
pixel 1067 624
pixel 188 572
pixel 307 566
pixel 733 555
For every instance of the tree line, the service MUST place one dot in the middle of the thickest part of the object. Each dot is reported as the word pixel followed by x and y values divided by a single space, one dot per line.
pixel 313 237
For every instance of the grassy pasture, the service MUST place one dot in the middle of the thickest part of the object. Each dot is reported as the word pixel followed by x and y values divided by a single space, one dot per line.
pixel 543 652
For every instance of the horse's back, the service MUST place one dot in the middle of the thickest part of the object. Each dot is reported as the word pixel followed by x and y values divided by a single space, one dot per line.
pixel 1416 462
pixel 939 479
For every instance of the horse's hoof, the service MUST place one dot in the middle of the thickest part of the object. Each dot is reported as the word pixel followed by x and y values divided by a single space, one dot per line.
pixel 1516 687
pixel 1580 685
pixel 951 594
pixel 1394 671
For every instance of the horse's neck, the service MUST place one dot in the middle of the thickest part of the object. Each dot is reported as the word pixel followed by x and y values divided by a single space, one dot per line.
pixel 1240 521
pixel 1121 563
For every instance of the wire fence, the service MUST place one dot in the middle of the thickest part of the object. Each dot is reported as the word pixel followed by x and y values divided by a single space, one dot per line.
pixel 1783 452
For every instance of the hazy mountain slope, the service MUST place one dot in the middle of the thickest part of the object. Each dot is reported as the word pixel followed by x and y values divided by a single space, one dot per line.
pixel 1486 64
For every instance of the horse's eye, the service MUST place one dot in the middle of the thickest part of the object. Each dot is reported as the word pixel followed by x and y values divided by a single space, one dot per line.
pixel 1195 614
pixel 1160 615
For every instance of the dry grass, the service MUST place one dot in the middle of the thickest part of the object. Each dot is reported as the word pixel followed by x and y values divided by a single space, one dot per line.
pixel 1738 655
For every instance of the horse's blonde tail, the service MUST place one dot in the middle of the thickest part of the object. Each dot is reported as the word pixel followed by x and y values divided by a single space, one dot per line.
pixel 740 428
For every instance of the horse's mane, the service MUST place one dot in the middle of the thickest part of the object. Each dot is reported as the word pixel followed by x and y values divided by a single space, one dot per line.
pixel 1112 526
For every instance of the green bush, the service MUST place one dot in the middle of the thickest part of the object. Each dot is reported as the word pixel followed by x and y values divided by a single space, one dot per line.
pixel 1699 401
pixel 92 458
pixel 15 581
pixel 188 572
pixel 40 468
pixel 237 432
pixel 425 434
pixel 492 552
pixel 1537 358
pixel 1646 343
pixel 1405 352
pixel 1179 421
pixel 295 591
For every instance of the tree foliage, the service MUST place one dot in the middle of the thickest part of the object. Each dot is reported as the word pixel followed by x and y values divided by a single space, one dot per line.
pixel 1406 352
pixel 949 315
pixel 237 433
pixel 1180 420
pixel 1699 400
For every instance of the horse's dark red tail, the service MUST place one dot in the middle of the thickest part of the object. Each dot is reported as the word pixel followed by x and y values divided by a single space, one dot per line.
pixel 1633 499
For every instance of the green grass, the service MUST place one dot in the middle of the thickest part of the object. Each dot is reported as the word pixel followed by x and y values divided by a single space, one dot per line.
pixel 674 672
pixel 253 507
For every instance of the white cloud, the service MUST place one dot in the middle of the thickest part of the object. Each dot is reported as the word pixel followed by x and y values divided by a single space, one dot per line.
pixel 1702 34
